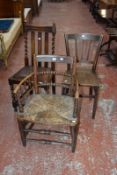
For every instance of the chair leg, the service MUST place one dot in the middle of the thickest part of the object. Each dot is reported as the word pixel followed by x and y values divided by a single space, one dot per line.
pixel 96 89
pixel 65 91
pixel 90 92
pixel 47 89
pixel 74 133
pixel 14 103
pixel 53 90
pixel 53 87
pixel 22 133
pixel 6 62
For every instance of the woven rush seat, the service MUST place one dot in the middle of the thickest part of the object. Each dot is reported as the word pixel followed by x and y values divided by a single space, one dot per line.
pixel 85 77
pixel 82 75
pixel 48 109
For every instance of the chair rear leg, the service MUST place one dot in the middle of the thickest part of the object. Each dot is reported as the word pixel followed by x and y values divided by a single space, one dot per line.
pixel 14 103
pixel 96 89
pixel 53 90
pixel 90 92
pixel 6 62
pixel 22 133
pixel 65 91
pixel 47 89
pixel 53 87
pixel 74 133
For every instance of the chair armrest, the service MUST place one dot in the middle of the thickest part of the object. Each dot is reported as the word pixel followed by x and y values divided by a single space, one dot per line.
pixel 22 82
pixel 22 91
pixel 77 102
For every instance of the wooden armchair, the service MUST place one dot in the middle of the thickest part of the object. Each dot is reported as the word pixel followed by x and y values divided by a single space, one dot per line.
pixel 86 48
pixel 39 40
pixel 51 113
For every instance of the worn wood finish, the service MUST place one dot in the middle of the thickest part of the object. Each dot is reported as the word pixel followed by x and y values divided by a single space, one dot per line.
pixel 6 9
pixel 19 8
pixel 86 48
pixel 34 38
pixel 52 109
pixel 14 8
pixel 10 9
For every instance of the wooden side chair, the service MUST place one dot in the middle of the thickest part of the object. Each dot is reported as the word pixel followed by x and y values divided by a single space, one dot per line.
pixel 51 113
pixel 39 40
pixel 86 48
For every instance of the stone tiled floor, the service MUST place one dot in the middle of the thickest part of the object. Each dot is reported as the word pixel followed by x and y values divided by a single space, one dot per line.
pixel 96 152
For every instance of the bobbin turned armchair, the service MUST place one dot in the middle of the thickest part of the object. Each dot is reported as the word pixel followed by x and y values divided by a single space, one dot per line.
pixel 86 48
pixel 50 112
pixel 38 40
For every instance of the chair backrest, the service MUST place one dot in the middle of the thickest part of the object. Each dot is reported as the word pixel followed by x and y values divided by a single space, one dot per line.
pixel 60 73
pixel 39 40
pixel 84 46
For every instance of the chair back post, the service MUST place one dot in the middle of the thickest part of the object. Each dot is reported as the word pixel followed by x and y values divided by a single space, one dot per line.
pixel 73 81
pixel 35 75
pixel 32 45
pixel 67 49
pixel 53 38
pixel 26 60
pixel 97 53
pixel 53 52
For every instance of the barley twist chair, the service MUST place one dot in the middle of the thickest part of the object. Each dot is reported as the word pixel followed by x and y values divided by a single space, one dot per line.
pixel 86 48
pixel 38 40
pixel 47 111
